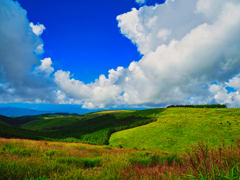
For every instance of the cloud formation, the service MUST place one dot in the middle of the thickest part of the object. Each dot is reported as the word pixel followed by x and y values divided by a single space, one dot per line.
pixel 38 28
pixel 19 45
pixel 45 68
pixel 186 45
pixel 100 94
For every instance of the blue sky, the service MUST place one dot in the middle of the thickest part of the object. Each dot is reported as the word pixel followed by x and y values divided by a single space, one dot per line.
pixel 83 36
pixel 92 55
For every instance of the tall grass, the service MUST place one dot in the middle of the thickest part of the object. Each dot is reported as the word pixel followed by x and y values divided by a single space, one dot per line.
pixel 24 159
pixel 199 162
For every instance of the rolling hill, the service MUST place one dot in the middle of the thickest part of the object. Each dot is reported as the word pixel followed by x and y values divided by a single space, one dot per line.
pixel 155 142
pixel 166 130
pixel 7 120
pixel 92 128
pixel 18 121
pixel 178 128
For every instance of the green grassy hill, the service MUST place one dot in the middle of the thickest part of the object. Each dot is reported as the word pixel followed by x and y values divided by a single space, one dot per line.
pixel 26 119
pixel 178 128
pixel 92 128
pixel 50 124
pixel 167 130
pixel 97 127
pixel 8 131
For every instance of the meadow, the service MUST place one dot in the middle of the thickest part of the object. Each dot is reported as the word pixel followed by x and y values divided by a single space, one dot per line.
pixel 42 160
pixel 178 128
pixel 171 143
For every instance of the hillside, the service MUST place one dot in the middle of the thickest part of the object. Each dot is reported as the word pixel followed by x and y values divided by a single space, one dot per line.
pixel 97 127
pixel 7 120
pixel 18 121
pixel 7 131
pixel 166 130
pixel 177 128
pixel 92 128
pixel 28 119
pixel 49 123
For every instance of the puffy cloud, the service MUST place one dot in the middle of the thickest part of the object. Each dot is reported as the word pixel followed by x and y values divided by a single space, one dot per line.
pixel 45 68
pixel 221 95
pixel 178 17
pixel 63 99
pixel 38 28
pixel 104 92
pixel 185 44
pixel 18 44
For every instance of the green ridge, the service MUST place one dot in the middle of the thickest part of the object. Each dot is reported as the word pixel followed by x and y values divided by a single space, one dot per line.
pixel 92 128
pixel 178 128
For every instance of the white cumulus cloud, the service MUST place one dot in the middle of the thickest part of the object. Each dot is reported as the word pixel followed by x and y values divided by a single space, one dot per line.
pixel 45 67
pixel 18 45
pixel 100 94
pixel 38 28
pixel 186 45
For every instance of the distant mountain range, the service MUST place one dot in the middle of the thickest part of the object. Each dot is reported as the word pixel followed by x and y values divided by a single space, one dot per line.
pixel 15 112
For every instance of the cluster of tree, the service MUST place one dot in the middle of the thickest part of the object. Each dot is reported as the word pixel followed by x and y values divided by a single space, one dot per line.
pixel 201 106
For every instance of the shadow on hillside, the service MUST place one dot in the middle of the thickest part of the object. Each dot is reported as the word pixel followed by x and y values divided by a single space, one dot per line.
pixel 99 129
pixel 91 130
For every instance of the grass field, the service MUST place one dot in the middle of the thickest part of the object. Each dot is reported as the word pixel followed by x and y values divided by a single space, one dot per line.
pixel 42 160
pixel 147 144
pixel 178 128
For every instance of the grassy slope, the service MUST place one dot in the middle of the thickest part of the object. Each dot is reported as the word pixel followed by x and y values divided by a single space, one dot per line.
pixel 19 121
pixel 177 128
pixel 97 127
pixel 92 128
pixel 49 123
pixel 14 132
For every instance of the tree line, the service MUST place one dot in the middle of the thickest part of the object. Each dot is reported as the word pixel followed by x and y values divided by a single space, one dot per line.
pixel 200 106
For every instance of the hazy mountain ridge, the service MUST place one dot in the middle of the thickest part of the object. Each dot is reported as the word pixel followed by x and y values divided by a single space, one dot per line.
pixel 16 112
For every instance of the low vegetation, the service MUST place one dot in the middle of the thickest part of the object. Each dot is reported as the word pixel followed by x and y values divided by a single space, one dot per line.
pixel 178 128
pixel 171 143
pixel 27 159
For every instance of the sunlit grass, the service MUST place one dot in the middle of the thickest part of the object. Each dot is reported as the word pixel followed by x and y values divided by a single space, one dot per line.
pixel 114 111
pixel 26 159
pixel 178 128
